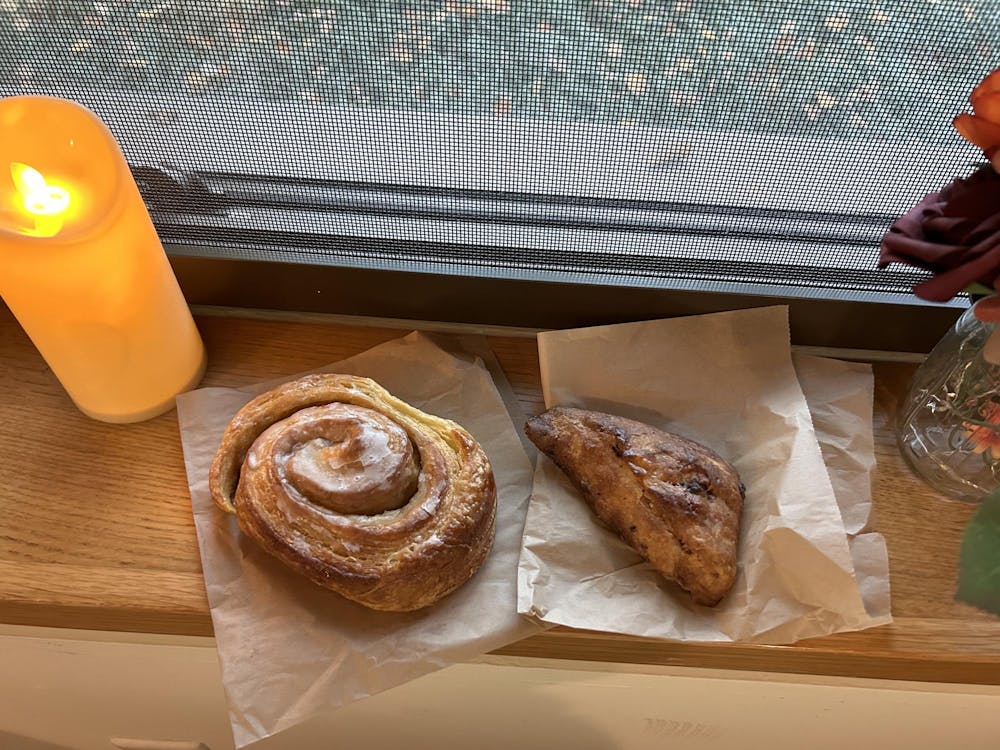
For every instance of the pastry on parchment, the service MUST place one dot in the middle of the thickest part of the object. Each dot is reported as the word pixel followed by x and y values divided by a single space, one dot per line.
pixel 358 491
pixel 676 502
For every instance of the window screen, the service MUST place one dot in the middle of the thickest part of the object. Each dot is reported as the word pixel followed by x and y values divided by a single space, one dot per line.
pixel 685 142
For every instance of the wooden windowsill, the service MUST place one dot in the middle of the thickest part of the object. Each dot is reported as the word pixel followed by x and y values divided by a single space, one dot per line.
pixel 98 532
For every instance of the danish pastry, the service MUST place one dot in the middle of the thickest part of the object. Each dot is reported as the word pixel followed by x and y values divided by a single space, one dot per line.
pixel 358 491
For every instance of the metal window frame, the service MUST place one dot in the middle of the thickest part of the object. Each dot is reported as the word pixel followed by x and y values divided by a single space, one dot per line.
pixel 899 323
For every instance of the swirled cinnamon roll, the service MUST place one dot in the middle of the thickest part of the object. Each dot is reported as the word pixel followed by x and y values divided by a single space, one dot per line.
pixel 358 491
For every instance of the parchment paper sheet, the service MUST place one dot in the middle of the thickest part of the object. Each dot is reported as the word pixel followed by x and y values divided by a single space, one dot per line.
pixel 726 380
pixel 841 399
pixel 290 650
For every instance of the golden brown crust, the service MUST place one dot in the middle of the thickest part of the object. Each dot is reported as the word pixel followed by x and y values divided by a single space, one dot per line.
pixel 358 491
pixel 676 502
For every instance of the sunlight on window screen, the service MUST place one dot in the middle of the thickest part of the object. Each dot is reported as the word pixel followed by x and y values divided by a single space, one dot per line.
pixel 890 68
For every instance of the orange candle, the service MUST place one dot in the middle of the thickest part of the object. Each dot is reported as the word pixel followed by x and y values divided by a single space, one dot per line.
pixel 81 266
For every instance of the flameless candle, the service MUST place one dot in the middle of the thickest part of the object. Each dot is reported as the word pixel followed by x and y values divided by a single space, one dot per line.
pixel 81 266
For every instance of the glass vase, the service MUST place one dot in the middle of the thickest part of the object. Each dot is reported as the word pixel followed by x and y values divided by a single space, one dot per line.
pixel 949 425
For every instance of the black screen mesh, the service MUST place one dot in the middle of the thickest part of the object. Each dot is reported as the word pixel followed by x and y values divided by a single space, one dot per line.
pixel 747 141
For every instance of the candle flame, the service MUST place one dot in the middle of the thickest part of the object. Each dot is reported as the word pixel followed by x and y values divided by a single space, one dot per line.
pixel 44 202
pixel 39 197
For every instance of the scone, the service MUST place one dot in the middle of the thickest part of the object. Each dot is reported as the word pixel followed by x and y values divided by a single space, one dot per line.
pixel 674 501
pixel 358 491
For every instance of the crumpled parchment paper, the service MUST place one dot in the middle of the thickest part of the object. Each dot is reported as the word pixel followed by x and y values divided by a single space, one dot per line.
pixel 728 381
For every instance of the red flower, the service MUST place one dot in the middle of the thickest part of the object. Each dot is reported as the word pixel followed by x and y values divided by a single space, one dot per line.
pixel 954 233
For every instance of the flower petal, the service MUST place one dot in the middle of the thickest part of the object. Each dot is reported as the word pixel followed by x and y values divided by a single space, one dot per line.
pixel 979 132
pixel 989 85
pixel 931 256
pixel 988 310
pixel 987 107
pixel 975 197
pixel 985 268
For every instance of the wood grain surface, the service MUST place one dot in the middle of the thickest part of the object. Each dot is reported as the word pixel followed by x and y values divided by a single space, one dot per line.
pixel 97 532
